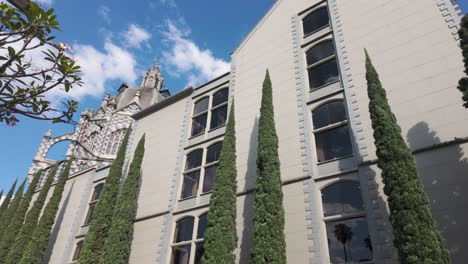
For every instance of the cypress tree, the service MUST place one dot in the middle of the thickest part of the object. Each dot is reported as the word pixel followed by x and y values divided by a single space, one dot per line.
pixel 269 245
pixel 6 202
pixel 35 250
pixel 416 235
pixel 27 230
pixel 118 244
pixel 17 221
pixel 463 83
pixel 10 212
pixel 220 235
pixel 99 228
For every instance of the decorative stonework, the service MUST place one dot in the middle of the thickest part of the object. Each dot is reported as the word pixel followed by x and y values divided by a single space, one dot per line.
pixel 309 188
pixel 451 14
pixel 351 99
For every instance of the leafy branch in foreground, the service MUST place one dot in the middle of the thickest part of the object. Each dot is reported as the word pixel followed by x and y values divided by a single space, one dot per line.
pixel 32 66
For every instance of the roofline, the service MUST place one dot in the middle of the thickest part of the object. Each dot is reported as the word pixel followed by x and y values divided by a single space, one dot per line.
pixel 257 26
pixel 213 80
pixel 158 106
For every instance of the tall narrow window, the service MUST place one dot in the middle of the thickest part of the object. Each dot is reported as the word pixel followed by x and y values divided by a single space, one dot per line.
pixel 332 137
pixel 77 253
pixel 192 173
pixel 316 20
pixel 187 239
pixel 346 224
pixel 115 139
pixel 219 108
pixel 93 203
pixel 211 165
pixel 322 65
pixel 200 115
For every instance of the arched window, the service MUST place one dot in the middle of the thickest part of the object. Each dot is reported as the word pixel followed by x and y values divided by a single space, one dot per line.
pixel 346 224
pixel 200 115
pixel 332 139
pixel 77 253
pixel 188 238
pixel 211 165
pixel 115 139
pixel 192 173
pixel 316 20
pixel 92 204
pixel 322 65
pixel 219 108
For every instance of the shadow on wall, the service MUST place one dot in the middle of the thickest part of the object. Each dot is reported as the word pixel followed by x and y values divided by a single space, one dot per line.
pixel 444 173
pixel 56 228
pixel 249 199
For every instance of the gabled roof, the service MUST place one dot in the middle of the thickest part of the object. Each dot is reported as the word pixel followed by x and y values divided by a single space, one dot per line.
pixel 257 26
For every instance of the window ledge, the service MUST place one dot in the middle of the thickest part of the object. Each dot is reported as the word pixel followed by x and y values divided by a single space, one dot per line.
pixel 206 193
pixel 199 135
pixel 316 35
pixel 335 159
pixel 187 198
pixel 323 86
pixel 216 128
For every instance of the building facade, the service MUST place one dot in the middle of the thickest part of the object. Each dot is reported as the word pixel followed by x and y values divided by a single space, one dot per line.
pixel 314 51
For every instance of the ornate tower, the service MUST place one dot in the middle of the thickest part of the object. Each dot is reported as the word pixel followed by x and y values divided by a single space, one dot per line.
pixel 152 78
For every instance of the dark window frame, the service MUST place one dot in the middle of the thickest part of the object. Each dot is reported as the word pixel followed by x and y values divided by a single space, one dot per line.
pixel 190 171
pixel 358 215
pixel 200 114
pixel 77 252
pixel 194 243
pixel 218 107
pixel 323 61
pixel 208 165
pixel 330 127
pixel 311 13
pixel 93 203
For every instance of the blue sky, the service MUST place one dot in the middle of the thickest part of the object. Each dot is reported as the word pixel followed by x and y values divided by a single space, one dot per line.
pixel 117 41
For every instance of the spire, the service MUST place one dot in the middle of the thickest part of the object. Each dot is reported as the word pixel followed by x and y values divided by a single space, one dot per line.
pixel 152 78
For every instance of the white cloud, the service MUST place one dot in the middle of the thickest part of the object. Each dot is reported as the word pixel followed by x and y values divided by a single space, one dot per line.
pixel 186 57
pixel 135 36
pixel 104 13
pixel 97 67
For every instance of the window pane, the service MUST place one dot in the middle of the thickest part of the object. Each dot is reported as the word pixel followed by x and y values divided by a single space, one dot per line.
pixel 328 114
pixel 213 152
pixel 201 105
pixel 199 253
pixel 320 51
pixel 77 253
pixel 181 254
pixel 90 215
pixel 202 224
pixel 194 159
pixel 348 241
pixel 184 229
pixel 220 97
pixel 322 74
pixel 315 20
pixel 342 198
pixel 199 125
pixel 190 185
pixel 333 143
pixel 210 176
pixel 97 192
pixel 218 117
